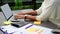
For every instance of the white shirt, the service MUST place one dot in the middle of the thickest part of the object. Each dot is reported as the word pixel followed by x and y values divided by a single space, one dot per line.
pixel 49 9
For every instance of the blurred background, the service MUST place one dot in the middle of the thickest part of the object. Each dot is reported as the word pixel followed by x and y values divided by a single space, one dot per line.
pixel 22 4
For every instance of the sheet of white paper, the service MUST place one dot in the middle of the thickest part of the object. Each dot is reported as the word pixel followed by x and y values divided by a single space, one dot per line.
pixel 24 31
pixel 9 28
pixel 30 30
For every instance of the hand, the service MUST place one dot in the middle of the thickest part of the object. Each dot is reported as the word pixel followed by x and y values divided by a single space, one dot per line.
pixel 19 16
pixel 22 13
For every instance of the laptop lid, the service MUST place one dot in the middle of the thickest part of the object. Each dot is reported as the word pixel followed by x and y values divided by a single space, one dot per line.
pixel 6 11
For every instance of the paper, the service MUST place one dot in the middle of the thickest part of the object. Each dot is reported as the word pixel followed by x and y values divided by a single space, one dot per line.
pixel 35 30
pixel 9 28
pixel 37 22
pixel 38 30
pixel 7 22
pixel 32 30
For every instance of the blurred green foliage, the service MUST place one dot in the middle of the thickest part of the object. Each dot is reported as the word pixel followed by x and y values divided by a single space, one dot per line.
pixel 19 5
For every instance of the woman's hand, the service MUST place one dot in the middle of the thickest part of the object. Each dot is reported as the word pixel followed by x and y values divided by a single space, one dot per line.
pixel 29 13
pixel 23 17
pixel 19 16
pixel 22 13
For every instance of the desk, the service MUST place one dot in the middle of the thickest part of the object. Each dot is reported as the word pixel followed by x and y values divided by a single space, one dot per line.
pixel 44 24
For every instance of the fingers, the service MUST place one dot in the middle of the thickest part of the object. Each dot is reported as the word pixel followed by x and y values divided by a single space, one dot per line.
pixel 15 17
pixel 19 16
pixel 22 13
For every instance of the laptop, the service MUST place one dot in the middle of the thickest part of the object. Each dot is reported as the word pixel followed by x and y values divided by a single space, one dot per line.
pixel 10 16
pixel 7 12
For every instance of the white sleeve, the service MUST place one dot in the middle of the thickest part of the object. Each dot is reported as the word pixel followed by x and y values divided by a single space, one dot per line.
pixel 39 11
pixel 45 13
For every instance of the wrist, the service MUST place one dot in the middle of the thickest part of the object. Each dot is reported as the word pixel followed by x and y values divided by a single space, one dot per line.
pixel 25 17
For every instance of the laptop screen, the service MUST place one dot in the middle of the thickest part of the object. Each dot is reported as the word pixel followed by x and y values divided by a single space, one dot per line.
pixel 6 11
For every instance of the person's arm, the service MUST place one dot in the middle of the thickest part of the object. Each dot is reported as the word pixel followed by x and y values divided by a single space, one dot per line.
pixel 46 13
pixel 21 15
pixel 29 13
pixel 25 17
pixel 31 17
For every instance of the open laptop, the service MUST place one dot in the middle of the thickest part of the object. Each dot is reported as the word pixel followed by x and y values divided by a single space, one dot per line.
pixel 9 16
pixel 7 12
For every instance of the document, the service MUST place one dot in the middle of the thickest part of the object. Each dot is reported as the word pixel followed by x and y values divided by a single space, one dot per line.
pixel 27 29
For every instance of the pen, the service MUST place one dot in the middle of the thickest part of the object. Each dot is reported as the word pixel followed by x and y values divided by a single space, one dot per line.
pixel 28 26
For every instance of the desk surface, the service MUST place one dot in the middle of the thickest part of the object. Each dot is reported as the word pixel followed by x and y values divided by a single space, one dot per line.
pixel 44 24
